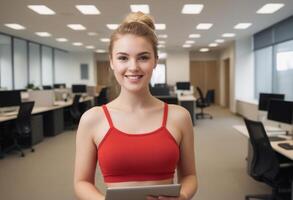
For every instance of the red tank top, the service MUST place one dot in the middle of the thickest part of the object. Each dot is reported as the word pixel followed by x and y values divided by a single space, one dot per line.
pixel 137 157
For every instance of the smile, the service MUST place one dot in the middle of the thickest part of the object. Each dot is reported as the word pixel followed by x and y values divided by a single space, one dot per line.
pixel 134 77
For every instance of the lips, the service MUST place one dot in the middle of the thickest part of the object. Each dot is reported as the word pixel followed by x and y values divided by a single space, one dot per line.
pixel 134 77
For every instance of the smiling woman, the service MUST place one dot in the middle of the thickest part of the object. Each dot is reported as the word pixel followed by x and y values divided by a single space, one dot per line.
pixel 136 138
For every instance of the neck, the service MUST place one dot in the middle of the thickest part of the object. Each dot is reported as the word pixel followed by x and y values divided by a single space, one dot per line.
pixel 135 100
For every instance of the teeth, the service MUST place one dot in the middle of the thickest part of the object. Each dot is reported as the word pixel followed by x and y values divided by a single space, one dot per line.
pixel 133 77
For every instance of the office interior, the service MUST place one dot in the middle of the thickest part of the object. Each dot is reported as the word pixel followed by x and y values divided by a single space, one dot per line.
pixel 239 66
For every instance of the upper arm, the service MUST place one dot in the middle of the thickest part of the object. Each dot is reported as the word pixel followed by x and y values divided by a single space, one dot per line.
pixel 86 151
pixel 186 164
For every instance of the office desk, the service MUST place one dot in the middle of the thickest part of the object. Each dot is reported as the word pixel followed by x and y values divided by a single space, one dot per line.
pixel 287 153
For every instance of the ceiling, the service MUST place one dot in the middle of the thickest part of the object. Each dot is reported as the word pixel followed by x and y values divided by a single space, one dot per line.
pixel 224 14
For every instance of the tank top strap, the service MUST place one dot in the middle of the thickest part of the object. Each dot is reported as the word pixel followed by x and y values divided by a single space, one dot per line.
pixel 108 116
pixel 165 116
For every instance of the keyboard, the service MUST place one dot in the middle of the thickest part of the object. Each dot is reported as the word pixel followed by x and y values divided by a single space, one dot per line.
pixel 286 146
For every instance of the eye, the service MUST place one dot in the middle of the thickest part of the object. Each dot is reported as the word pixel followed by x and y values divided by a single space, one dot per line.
pixel 122 58
pixel 144 58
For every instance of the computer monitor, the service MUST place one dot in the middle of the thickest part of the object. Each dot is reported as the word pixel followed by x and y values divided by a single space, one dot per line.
pixel 264 99
pixel 47 87
pixel 78 88
pixel 183 85
pixel 59 85
pixel 10 98
pixel 280 111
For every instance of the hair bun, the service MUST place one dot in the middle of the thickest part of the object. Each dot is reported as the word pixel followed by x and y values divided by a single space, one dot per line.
pixel 141 18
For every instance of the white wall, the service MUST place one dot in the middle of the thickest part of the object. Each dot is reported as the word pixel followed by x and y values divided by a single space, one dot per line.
pixel 244 69
pixel 229 52
pixel 67 68
pixel 177 66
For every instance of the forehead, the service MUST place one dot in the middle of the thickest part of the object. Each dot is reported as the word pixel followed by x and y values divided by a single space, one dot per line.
pixel 131 44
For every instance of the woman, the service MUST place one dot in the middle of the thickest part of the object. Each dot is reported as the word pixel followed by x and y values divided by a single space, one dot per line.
pixel 136 138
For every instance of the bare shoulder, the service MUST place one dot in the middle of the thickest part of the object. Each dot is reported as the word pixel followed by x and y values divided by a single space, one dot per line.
pixel 178 112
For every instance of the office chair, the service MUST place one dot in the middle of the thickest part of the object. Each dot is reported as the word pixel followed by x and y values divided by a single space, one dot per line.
pixel 22 131
pixel 265 166
pixel 203 102
pixel 102 98
pixel 74 109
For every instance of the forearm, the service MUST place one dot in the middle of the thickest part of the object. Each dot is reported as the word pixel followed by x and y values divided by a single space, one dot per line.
pixel 188 186
pixel 87 191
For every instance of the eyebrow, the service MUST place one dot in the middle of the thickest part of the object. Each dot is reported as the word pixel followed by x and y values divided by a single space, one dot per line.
pixel 142 53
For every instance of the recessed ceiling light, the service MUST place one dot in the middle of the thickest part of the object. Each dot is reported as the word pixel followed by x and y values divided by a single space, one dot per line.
pixel 162 36
pixel 140 7
pixel 192 8
pixel 90 47
pixel 160 26
pixel 112 26
pixel 15 26
pixel 189 42
pixel 77 44
pixel 76 27
pixel 100 51
pixel 204 26
pixel 161 46
pixel 161 42
pixel 219 40
pixel 43 34
pixel 41 9
pixel 92 33
pixel 194 36
pixel 213 45
pixel 228 35
pixel 186 45
pixel 204 49
pixel 61 39
pixel 270 8
pixel 88 9
pixel 105 40
pixel 242 26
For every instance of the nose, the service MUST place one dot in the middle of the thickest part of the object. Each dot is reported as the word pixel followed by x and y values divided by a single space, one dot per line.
pixel 133 65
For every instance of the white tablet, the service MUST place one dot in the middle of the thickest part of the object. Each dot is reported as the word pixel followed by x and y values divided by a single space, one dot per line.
pixel 141 192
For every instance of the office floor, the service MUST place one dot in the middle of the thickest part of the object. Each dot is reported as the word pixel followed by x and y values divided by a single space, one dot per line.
pixel 220 154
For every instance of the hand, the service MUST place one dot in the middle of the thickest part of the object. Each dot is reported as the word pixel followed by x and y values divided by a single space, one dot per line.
pixel 181 197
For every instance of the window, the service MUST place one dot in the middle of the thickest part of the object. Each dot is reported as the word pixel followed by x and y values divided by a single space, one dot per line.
pixel 263 70
pixel 283 76
pixel 159 74
pixel 5 62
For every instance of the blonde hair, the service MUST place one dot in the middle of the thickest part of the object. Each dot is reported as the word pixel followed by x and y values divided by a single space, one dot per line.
pixel 138 24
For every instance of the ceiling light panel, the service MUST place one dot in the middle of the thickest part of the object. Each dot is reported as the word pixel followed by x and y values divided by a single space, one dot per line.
pixel 162 36
pixel 213 45
pixel 76 27
pixel 105 40
pixel 15 26
pixel 77 44
pixel 189 42
pixel 88 9
pixel 92 33
pixel 41 9
pixel 160 26
pixel 90 47
pixel 192 8
pixel 186 45
pixel 242 26
pixel 204 49
pixel 204 26
pixel 101 51
pixel 112 26
pixel 270 8
pixel 43 34
pixel 228 35
pixel 61 39
pixel 194 36
pixel 140 8
pixel 219 40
